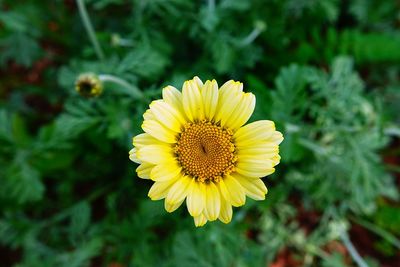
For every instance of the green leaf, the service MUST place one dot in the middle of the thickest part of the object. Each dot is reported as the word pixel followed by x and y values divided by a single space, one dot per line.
pixel 19 47
pixel 22 184
pixel 143 61
pixel 80 219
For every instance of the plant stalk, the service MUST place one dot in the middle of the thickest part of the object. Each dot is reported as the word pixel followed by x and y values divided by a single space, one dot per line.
pixel 89 29
pixel 379 231
pixel 352 250
pixel 131 90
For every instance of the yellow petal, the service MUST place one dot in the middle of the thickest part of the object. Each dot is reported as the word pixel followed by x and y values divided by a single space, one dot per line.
pixel 198 81
pixel 158 131
pixel 266 150
pixel 144 170
pixel 133 156
pixel 276 159
pixel 167 115
pixel 195 200
pixel 277 137
pixel 227 109
pixel 165 171
pixel 254 188
pixel 209 94
pixel 213 202
pixel 230 85
pixel 225 215
pixel 254 167
pixel 200 220
pixel 254 173
pixel 159 190
pixel 242 113
pixel 263 148
pixel 223 189
pixel 145 139
pixel 192 101
pixel 254 132
pixel 172 96
pixel 171 207
pixel 155 154
pixel 232 191
pixel 228 101
pixel 148 115
pixel 179 190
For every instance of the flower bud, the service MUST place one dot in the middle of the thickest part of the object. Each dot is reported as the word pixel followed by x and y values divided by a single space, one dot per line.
pixel 89 85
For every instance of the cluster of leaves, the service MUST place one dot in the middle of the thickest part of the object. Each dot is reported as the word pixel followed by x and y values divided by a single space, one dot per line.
pixel 332 124
pixel 69 195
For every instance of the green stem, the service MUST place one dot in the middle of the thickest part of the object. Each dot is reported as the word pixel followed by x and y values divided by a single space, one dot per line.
pixel 352 250
pixel 211 6
pixel 131 90
pixel 89 29
pixel 259 27
pixel 379 231
pixel 251 37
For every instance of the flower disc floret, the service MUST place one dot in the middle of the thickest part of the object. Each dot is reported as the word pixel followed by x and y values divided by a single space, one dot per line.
pixel 206 151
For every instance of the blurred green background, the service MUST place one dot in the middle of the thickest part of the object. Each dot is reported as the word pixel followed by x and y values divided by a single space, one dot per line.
pixel 327 72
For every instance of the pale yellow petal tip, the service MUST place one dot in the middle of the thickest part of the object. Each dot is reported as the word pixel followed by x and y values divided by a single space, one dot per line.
pixel 239 85
pixel 278 137
pixel 225 221
pixel 154 197
pixel 273 126
pixel 134 142
pixel 171 207
pixel 143 170
pixel 276 160
pixel 239 204
pixel 200 221
pixel 133 156
pixel 250 95
pixel 195 214
pixel 264 196
pixel 168 87
pixel 154 102
pixel 148 115
pixel 138 154
pixel 197 80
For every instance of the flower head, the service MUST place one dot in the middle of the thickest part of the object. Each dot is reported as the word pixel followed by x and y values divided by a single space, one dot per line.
pixel 195 148
pixel 89 85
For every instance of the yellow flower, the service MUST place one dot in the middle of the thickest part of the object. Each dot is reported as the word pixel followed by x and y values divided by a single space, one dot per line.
pixel 195 147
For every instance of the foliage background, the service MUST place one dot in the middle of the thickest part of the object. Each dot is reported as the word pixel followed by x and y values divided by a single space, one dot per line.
pixel 326 71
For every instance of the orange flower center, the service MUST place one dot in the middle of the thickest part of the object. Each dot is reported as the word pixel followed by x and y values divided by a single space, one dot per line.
pixel 206 151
